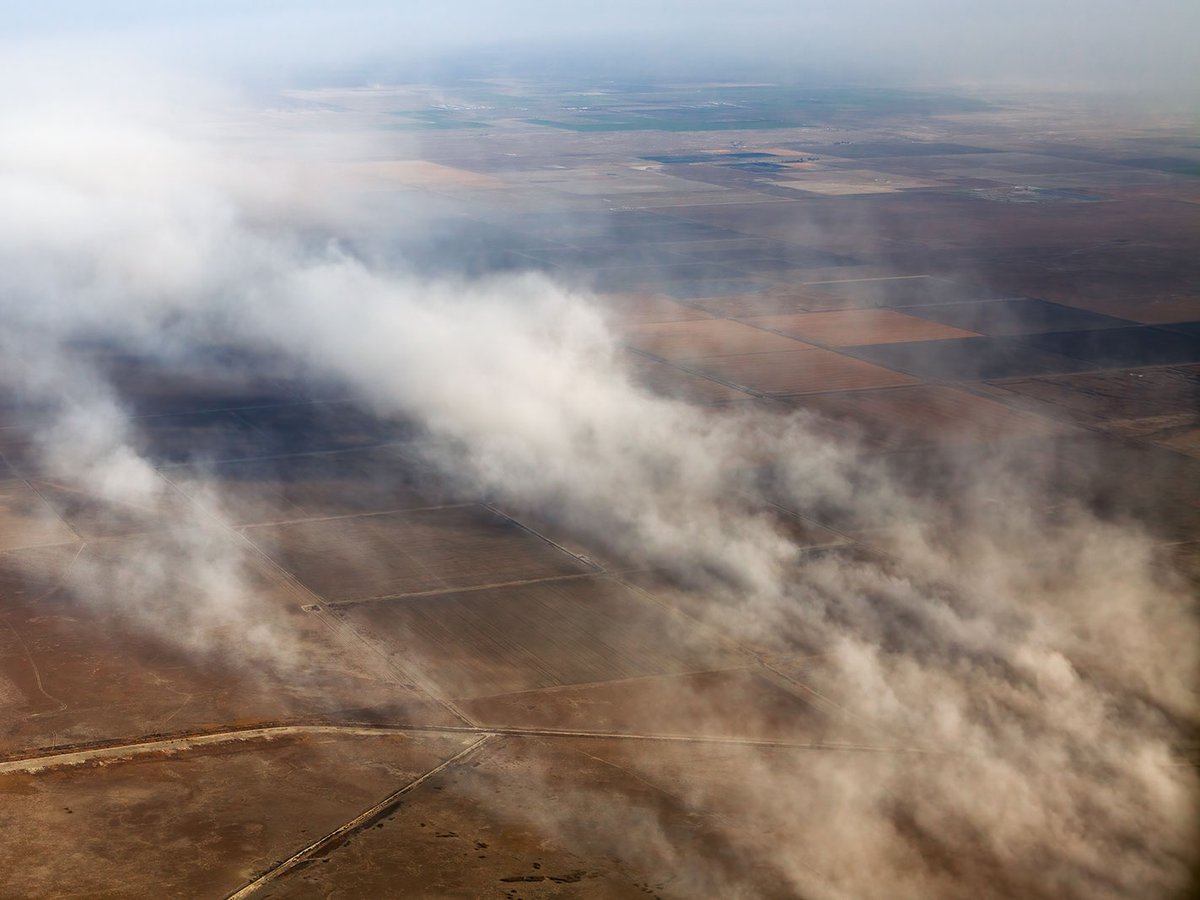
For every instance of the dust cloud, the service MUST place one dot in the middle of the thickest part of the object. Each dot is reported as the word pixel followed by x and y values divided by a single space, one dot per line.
pixel 1024 668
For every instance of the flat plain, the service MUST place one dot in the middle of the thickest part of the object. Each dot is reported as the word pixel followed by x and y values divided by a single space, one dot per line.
pixel 994 284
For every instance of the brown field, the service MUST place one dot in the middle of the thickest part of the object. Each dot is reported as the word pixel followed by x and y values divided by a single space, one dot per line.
pixel 70 672
pixel 710 612
pixel 1177 189
pixel 773 644
pixel 446 843
pixel 417 173
pixel 197 823
pixel 1137 307
pixel 849 328
pixel 1153 406
pixel 1184 560
pixel 1163 498
pixel 26 520
pixel 799 372
pixel 926 414
pixel 1179 432
pixel 472 833
pixel 92 517
pixel 774 301
pixel 730 703
pixel 642 309
pixel 507 639
pixel 704 338
pixel 1115 394
pixel 840 182
pixel 390 554
pixel 665 379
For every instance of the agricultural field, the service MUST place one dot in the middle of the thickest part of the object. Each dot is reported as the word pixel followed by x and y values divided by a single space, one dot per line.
pixel 410 686
pixel 411 552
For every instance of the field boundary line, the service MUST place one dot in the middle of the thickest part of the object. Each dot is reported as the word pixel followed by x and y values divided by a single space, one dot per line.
pixel 301 520
pixel 436 592
pixel 183 742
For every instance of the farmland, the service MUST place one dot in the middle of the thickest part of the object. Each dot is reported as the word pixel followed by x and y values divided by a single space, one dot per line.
pixel 413 684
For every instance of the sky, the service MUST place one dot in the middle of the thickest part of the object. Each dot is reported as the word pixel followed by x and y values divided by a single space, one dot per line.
pixel 1103 45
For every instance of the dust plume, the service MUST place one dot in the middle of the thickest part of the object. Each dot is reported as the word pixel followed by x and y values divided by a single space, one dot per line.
pixel 1034 662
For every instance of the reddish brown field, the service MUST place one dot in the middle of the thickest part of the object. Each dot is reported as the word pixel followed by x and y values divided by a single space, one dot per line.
pixel 850 328
pixel 704 338
pixel 799 372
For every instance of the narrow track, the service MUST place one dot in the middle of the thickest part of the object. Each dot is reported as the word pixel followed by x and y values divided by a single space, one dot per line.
pixel 77 755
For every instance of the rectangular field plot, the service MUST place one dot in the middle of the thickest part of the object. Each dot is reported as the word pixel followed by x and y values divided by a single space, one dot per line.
pixel 523 637
pixel 640 309
pixel 843 182
pixel 729 703
pixel 237 807
pixel 878 149
pixel 219 379
pixel 679 280
pixel 20 451
pixel 663 378
pixel 91 516
pixel 26 520
pixel 91 648
pixel 1150 310
pixel 199 436
pixel 711 287
pixel 481 830
pixel 1160 490
pixel 968 359
pixel 1138 346
pixel 902 291
pixel 416 173
pixel 314 485
pixel 776 300
pixel 761 256
pixel 390 554
pixel 799 372
pixel 1179 432
pixel 607 256
pixel 704 338
pixel 851 327
pixel 926 414
pixel 1022 315
pixel 323 425
pixel 1117 394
